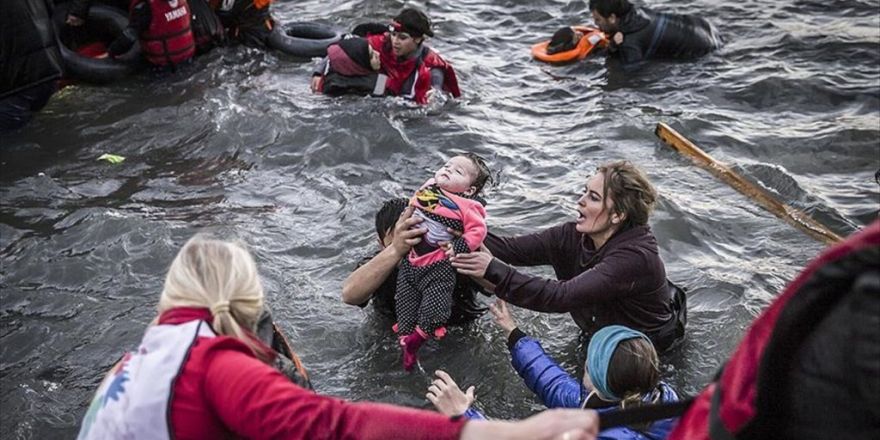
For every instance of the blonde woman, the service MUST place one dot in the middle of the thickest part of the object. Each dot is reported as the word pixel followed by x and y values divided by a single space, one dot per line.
pixel 201 373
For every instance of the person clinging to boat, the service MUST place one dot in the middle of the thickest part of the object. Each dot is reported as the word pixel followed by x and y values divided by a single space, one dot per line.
pixel 638 34
pixel 608 270
pixel 426 282
pixel 410 68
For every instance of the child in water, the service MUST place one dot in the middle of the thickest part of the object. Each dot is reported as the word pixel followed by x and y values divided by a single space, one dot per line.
pixel 426 279
pixel 351 68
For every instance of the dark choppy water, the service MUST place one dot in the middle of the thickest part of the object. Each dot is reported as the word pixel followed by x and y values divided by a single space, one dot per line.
pixel 236 144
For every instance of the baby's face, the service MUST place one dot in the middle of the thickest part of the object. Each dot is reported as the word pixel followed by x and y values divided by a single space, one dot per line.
pixel 458 175
pixel 375 63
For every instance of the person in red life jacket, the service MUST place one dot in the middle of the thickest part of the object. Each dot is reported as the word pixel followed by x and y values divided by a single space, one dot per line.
pixel 809 366
pixel 200 372
pixel 207 29
pixel 163 29
pixel 622 371
pixel 607 264
pixel 409 68
pixel 246 21
pixel 351 68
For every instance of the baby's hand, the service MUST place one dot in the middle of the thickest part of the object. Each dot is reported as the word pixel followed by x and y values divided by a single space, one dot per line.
pixel 450 252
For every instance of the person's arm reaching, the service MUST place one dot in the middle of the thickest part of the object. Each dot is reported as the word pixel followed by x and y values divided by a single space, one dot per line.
pixel 526 250
pixel 612 278
pixel 555 387
pixel 360 284
pixel 253 400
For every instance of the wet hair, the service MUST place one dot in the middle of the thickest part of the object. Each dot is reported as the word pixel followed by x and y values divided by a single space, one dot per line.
pixel 631 191
pixel 607 7
pixel 413 22
pixel 221 276
pixel 563 40
pixel 634 371
pixel 484 175
pixel 388 215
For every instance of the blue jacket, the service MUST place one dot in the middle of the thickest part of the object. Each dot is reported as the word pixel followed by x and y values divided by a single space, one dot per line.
pixel 558 389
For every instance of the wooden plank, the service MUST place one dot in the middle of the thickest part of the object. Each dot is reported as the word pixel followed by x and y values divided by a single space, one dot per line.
pixel 791 215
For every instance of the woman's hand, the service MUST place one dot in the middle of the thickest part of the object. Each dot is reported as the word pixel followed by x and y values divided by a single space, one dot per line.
pixel 405 234
pixel 502 316
pixel 447 397
pixel 473 264
pixel 618 38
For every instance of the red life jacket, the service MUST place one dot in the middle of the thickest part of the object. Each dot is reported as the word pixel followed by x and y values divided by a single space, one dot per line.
pixel 415 70
pixel 169 39
pixel 740 403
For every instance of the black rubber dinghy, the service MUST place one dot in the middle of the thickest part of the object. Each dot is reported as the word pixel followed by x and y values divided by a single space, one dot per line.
pixel 104 24
pixel 302 39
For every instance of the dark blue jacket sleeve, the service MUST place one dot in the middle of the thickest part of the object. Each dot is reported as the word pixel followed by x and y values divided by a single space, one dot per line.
pixel 555 387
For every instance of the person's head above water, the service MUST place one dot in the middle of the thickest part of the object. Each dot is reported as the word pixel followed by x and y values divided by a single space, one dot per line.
pixel 619 196
pixel 387 217
pixel 220 276
pixel 608 13
pixel 563 40
pixel 465 173
pixel 622 364
pixel 353 57
pixel 408 31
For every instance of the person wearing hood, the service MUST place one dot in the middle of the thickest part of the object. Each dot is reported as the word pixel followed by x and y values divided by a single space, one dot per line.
pixel 352 68
pixel 607 265
pixel 409 68
pixel 640 34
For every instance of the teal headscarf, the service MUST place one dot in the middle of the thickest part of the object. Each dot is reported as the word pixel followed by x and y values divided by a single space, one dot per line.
pixel 599 353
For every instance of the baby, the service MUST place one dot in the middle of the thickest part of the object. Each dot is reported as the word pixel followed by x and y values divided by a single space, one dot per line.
pixel 351 68
pixel 426 279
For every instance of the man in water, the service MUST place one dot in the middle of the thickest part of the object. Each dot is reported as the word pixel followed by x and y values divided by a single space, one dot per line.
pixel 376 275
pixel 639 34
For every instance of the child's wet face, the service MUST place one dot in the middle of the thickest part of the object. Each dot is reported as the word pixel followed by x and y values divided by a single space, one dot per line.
pixel 458 175
pixel 375 63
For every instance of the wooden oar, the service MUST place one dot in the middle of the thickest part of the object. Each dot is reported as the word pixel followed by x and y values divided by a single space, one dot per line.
pixel 793 216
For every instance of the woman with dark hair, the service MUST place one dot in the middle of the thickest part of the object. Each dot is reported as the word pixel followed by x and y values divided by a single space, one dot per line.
pixel 622 371
pixel 607 265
